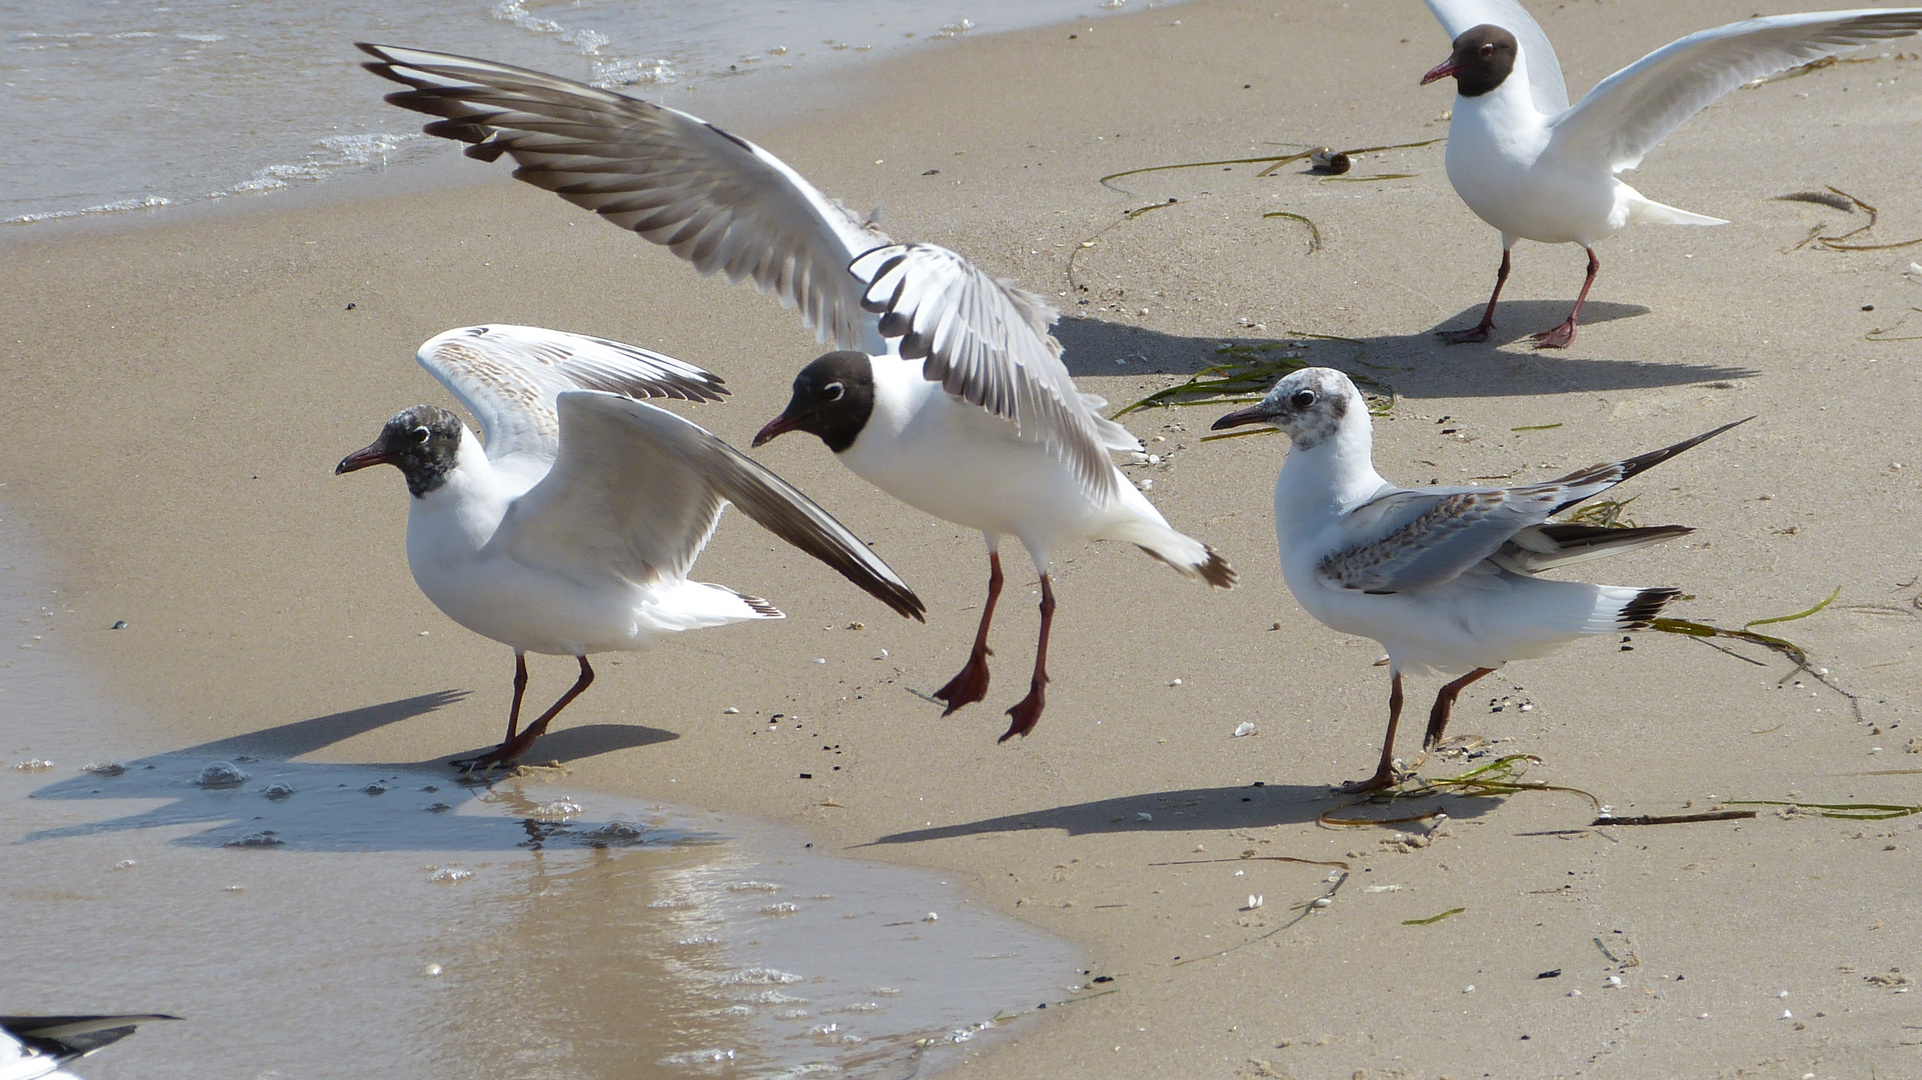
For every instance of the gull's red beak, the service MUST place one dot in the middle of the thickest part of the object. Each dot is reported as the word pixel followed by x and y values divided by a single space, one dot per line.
pixel 1441 71
pixel 775 428
pixel 371 454
pixel 1254 414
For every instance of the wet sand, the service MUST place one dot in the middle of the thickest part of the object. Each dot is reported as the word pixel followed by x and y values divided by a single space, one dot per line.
pixel 180 392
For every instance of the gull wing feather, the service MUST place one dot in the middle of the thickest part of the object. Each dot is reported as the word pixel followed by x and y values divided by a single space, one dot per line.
pixel 987 342
pixel 509 376
pixel 636 492
pixel 716 200
pixel 1405 539
pixel 1545 84
pixel 1631 111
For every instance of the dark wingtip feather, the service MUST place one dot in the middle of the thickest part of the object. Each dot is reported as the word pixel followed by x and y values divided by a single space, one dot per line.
pixel 1648 603
pixel 1217 572
pixel 1643 462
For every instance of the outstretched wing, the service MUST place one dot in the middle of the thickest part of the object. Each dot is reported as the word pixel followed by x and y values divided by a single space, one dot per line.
pixel 636 493
pixel 987 341
pixel 509 377
pixel 1404 539
pixel 716 200
pixel 1635 108
pixel 1544 70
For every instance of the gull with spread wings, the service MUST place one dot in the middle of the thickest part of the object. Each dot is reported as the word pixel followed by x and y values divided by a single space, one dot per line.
pixel 1444 577
pixel 573 530
pixel 1537 169
pixel 947 389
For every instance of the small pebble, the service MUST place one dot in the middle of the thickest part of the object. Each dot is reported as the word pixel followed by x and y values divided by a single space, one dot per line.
pixel 930 917
pixel 1322 902
pixel 118 624
pixel 730 711
pixel 1469 989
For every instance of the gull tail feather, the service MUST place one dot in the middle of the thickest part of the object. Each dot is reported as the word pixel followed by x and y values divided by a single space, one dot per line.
pixel 1617 608
pixel 1185 553
pixel 1646 211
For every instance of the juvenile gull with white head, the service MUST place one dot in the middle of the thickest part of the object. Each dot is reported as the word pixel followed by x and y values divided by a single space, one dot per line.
pixel 1444 577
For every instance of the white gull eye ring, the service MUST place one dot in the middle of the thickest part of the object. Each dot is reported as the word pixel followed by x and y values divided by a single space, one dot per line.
pixel 1302 399
pixel 422 434
pixel 834 391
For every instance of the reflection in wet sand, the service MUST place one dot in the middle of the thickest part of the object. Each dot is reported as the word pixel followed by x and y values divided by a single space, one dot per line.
pixel 321 920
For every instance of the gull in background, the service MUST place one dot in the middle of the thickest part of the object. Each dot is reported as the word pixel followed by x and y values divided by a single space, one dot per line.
pixel 32 1047
pixel 573 530
pixel 948 391
pixel 1530 165
pixel 1443 577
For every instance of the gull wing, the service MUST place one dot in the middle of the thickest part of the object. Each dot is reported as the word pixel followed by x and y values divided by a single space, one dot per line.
pixel 987 341
pixel 1403 539
pixel 1545 84
pixel 36 1046
pixel 716 200
pixel 509 376
pixel 636 493
pixel 1631 111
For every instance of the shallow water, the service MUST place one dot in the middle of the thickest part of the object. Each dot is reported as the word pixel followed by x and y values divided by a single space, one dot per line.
pixel 322 920
pixel 117 106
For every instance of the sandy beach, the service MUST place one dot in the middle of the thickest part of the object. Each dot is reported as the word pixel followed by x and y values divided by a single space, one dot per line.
pixel 179 390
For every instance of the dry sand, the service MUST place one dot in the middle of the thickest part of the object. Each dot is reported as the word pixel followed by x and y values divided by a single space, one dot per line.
pixel 179 392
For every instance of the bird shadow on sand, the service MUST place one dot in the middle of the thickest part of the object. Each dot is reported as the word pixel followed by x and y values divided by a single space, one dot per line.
pixel 1194 810
pixel 246 791
pixel 1416 365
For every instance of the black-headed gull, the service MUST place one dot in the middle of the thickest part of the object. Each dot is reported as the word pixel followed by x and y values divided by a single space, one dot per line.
pixel 953 397
pixel 1530 165
pixel 32 1047
pixel 1443 577
pixel 574 529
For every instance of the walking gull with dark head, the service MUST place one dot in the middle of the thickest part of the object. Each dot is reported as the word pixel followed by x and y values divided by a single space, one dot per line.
pixel 573 530
pixel 1444 577
pixel 948 391
pixel 1537 169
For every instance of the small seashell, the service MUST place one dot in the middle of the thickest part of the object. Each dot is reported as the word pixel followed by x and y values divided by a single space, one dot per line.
pixel 1322 902
pixel 1254 901
pixel 930 917
pixel 1243 729
pixel 1325 159
pixel 1144 816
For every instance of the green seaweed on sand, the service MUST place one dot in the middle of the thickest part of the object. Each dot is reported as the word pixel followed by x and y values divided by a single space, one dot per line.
pixel 1605 513
pixel 1497 779
pixel 1273 162
pixel 1536 427
pixel 1867 811
pixel 1314 230
pixel 1433 919
pixel 1249 372
pixel 1796 655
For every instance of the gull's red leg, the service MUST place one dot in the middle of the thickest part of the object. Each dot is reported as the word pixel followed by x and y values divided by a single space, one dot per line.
pixel 1561 336
pixel 1027 712
pixel 971 685
pixel 1444 702
pixel 1384 773
pixel 1480 331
